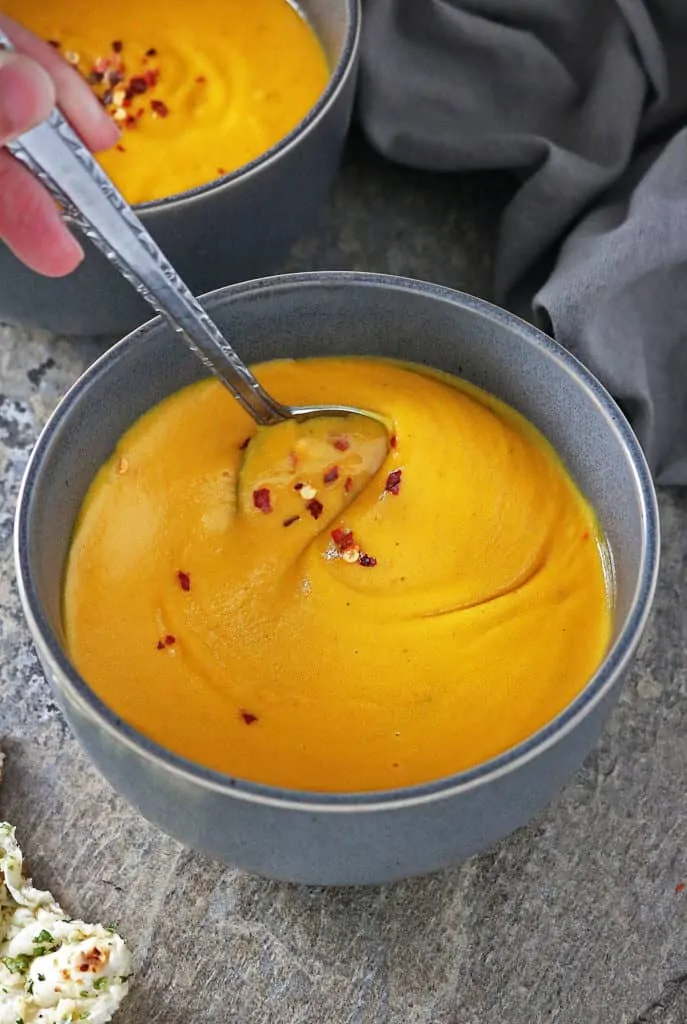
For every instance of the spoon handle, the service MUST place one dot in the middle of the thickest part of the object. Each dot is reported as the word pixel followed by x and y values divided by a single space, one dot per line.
pixel 55 154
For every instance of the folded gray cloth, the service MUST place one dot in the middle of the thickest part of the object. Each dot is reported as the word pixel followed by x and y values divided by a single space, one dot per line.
pixel 585 100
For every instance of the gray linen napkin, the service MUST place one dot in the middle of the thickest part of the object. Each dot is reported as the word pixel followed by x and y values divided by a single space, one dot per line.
pixel 586 101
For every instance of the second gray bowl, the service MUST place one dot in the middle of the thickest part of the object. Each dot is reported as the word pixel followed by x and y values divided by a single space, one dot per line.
pixel 352 837
pixel 234 229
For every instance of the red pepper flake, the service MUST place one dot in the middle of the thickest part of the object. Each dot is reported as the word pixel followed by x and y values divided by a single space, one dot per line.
pixel 160 645
pixel 291 520
pixel 170 640
pixel 343 538
pixel 261 499
pixel 137 85
pixel 159 108
pixel 299 486
pixel 315 508
pixel 113 77
pixel 342 444
pixel 201 79
pixel 585 535
pixel 117 46
pixel 244 445
pixel 348 484
pixel 393 441
pixel 680 887
pixel 152 52
pixel 120 148
pixel 151 76
pixel 55 43
pixel 331 475
pixel 184 580
pixel 248 717
pixel 393 482
pixel 367 560
pixel 221 171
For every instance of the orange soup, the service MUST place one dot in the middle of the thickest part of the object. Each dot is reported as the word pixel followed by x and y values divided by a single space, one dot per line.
pixel 198 89
pixel 324 608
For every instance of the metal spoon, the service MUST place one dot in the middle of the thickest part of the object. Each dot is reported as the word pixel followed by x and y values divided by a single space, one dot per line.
pixel 58 157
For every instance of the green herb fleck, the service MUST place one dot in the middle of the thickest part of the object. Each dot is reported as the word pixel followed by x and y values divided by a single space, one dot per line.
pixel 100 983
pixel 16 964
pixel 41 977
pixel 29 986
pixel 43 936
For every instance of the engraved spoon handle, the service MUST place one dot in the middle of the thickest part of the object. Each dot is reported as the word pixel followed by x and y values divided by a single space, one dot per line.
pixel 58 157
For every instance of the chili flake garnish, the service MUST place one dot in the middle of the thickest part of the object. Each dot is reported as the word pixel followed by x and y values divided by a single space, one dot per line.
pixel 160 645
pixel 221 171
pixel 244 444
pixel 298 486
pixel 393 441
pixel 184 580
pixel 348 484
pixel 342 444
pixel 343 538
pixel 315 508
pixel 331 475
pixel 291 520
pixel 55 43
pixel 393 481
pixel 680 887
pixel 110 72
pixel 137 85
pixel 261 499
pixel 152 52
pixel 367 560
pixel 249 717
pixel 120 148
pixel 200 79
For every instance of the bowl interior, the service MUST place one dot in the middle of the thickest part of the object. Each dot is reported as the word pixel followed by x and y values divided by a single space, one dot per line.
pixel 318 314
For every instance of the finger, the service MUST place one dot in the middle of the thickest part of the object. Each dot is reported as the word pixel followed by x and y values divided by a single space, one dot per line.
pixel 30 223
pixel 74 96
pixel 27 95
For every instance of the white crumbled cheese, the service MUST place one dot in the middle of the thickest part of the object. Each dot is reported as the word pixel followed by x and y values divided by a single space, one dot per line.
pixel 52 970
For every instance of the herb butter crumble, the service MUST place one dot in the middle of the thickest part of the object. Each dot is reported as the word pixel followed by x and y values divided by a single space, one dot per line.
pixel 53 970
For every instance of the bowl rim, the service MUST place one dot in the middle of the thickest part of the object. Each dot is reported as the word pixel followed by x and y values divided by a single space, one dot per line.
pixel 338 77
pixel 596 689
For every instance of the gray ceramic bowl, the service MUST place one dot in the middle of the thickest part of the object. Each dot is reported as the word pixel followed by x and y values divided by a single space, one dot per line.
pixel 234 229
pixel 351 838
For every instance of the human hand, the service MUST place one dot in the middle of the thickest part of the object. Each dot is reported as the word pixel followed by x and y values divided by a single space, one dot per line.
pixel 32 81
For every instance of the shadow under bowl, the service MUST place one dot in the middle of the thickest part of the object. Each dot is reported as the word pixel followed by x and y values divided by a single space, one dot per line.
pixel 236 228
pixel 347 838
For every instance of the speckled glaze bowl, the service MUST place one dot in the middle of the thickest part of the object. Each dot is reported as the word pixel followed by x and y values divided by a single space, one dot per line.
pixel 348 838
pixel 239 227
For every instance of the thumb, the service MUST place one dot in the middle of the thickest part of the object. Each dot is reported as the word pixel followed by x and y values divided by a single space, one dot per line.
pixel 27 95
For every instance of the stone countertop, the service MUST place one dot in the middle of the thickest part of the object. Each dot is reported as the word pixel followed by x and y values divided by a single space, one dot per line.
pixel 574 920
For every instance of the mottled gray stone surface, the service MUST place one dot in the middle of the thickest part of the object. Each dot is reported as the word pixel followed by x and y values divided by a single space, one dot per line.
pixel 575 919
